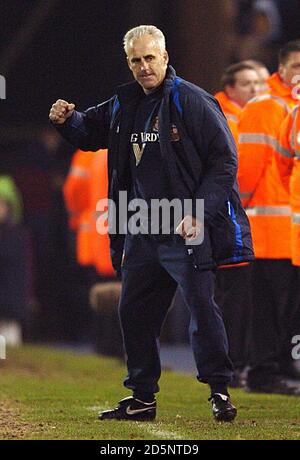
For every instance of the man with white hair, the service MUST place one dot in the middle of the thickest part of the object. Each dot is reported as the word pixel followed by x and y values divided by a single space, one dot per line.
pixel 167 139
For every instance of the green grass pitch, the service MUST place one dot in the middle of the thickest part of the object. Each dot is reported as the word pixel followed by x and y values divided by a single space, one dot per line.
pixel 49 394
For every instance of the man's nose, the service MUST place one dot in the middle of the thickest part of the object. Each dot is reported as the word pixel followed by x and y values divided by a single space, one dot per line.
pixel 144 65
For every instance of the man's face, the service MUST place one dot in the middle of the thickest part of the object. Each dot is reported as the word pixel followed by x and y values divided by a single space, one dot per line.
pixel 147 62
pixel 263 75
pixel 290 69
pixel 245 88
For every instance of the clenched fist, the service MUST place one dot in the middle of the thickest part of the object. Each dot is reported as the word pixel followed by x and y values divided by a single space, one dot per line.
pixel 60 111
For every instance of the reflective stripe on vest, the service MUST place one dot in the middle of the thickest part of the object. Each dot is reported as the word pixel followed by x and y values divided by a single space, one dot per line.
pixel 266 97
pixel 231 117
pixel 296 218
pixel 256 138
pixel 269 211
pixel 79 172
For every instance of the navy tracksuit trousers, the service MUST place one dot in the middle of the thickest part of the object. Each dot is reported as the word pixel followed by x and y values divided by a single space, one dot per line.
pixel 150 274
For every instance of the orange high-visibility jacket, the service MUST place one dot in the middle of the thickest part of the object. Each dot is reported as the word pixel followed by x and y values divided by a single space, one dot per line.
pixel 288 162
pixel 99 191
pixel 231 111
pixel 87 183
pixel 263 195
pixel 76 187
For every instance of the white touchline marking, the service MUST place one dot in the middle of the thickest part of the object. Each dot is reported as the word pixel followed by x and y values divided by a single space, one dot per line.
pixel 96 408
pixel 146 427
pixel 164 434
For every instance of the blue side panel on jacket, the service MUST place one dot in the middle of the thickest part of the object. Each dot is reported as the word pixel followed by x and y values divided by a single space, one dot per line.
pixel 238 234
pixel 175 94
pixel 115 108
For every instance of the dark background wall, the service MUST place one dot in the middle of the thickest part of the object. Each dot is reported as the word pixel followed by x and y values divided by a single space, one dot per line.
pixel 73 50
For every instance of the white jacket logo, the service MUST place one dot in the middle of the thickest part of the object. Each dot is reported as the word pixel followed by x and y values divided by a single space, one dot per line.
pixel 144 137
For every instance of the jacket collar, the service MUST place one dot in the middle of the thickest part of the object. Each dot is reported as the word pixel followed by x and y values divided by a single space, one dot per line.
pixel 278 88
pixel 228 106
pixel 169 80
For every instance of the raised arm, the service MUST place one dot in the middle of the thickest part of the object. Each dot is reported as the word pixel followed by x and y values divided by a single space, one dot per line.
pixel 86 130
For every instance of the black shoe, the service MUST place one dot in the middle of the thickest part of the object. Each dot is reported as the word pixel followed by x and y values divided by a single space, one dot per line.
pixel 222 409
pixel 131 409
pixel 277 386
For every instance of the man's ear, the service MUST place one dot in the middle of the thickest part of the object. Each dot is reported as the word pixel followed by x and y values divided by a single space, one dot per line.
pixel 166 57
pixel 128 62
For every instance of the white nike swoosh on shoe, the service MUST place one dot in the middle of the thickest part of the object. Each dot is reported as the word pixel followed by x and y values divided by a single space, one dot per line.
pixel 137 411
pixel 224 397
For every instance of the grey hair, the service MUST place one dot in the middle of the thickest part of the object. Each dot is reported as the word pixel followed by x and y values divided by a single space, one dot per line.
pixel 140 31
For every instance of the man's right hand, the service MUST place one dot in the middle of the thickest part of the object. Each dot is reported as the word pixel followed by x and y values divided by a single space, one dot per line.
pixel 60 111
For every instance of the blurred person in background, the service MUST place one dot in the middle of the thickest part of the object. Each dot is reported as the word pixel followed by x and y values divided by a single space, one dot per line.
pixel 85 185
pixel 287 158
pixel 39 167
pixel 262 72
pixel 12 195
pixel 13 263
pixel 240 83
pixel 274 278
pixel 32 174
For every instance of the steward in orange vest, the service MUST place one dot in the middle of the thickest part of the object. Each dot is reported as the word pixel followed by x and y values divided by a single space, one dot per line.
pixel 268 208
pixel 76 187
pixel 86 184
pixel 99 188
pixel 240 83
pixel 287 159
pixel 266 201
